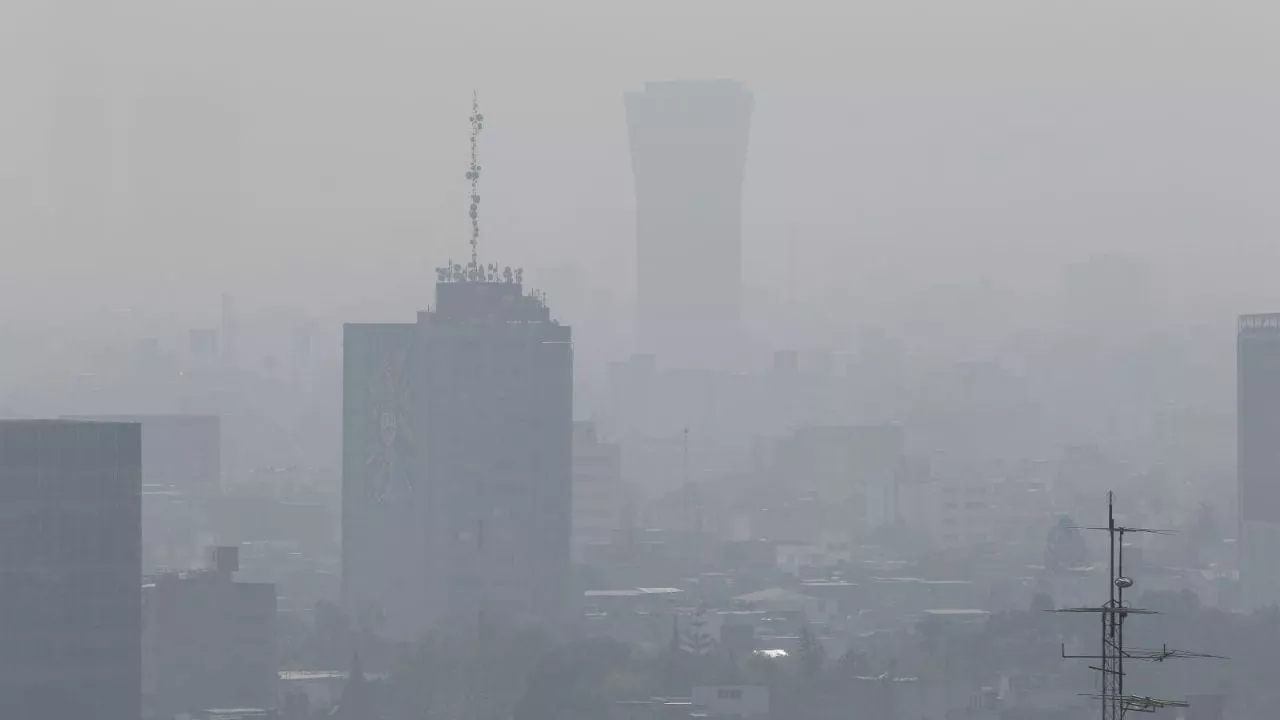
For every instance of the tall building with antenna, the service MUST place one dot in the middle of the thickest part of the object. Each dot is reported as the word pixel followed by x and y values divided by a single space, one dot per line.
pixel 688 155
pixel 457 454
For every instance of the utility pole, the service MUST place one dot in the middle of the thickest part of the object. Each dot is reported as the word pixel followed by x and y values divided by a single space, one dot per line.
pixel 1114 652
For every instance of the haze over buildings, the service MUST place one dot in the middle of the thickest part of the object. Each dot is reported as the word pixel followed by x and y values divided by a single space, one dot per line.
pixel 860 338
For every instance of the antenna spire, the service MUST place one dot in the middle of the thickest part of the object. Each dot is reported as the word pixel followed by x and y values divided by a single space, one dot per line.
pixel 477 124
pixel 1116 703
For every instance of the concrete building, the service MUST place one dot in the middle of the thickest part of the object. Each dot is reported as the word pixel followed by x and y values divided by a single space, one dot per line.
pixel 181 462
pixel 70 564
pixel 457 461
pixel 178 451
pixel 1258 460
pixel 688 154
pixel 840 463
pixel 597 491
pixel 208 641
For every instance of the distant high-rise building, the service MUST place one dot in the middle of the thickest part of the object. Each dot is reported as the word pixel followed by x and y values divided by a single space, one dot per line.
pixel 227 332
pixel 70 570
pixel 457 434
pixel 688 154
pixel 1258 457
pixel 597 492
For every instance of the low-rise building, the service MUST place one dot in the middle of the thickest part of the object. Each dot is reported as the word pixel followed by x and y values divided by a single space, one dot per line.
pixel 208 640
pixel 745 702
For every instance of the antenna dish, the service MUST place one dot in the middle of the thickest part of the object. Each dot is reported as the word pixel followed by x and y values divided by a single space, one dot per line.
pixel 1124 583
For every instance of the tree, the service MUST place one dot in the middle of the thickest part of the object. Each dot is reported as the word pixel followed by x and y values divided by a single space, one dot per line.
pixel 462 674
pixel 696 638
pixel 568 682
pixel 854 664
pixel 811 654
pixel 1065 547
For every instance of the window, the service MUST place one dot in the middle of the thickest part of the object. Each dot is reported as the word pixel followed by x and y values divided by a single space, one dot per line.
pixel 729 693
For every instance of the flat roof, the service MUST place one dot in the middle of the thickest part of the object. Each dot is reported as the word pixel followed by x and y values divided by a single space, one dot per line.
pixel 632 592
pixel 957 612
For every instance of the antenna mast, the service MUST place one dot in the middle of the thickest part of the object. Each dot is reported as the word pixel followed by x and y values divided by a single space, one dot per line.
pixel 477 124
pixel 1115 703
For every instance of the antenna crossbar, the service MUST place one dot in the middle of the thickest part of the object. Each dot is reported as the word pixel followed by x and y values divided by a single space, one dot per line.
pixel 1113 613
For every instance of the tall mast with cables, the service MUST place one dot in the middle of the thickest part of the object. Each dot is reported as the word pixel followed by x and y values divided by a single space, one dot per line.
pixel 473 174
pixel 1113 651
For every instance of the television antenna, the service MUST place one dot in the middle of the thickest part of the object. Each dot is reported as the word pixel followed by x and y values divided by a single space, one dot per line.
pixel 473 175
pixel 1115 702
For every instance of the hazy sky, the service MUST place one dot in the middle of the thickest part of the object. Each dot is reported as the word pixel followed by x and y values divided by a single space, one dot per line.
pixel 896 143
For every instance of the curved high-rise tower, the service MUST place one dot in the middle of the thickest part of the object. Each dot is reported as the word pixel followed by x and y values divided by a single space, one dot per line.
pixel 689 154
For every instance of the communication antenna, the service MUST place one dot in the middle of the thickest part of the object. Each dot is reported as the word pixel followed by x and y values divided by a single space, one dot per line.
pixel 473 174
pixel 1115 703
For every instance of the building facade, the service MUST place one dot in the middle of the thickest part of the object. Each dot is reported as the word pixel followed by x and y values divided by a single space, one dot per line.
pixel 457 462
pixel 597 492
pixel 688 155
pixel 1258 456
pixel 208 641
pixel 70 570
pixel 181 465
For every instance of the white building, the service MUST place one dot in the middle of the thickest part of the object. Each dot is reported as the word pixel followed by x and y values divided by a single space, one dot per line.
pixel 597 491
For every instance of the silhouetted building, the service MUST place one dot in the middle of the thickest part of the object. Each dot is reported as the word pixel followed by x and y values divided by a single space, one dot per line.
pixel 70 570
pixel 209 641
pixel 456 461
pixel 688 154
pixel 1258 460
pixel 82 139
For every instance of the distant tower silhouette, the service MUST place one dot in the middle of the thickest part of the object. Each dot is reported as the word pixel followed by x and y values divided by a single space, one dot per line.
pixel 1258 457
pixel 688 154
pixel 82 140
pixel 228 330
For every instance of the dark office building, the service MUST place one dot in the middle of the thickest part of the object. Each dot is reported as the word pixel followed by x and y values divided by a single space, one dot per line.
pixel 1258 458
pixel 688 155
pixel 208 641
pixel 456 461
pixel 70 570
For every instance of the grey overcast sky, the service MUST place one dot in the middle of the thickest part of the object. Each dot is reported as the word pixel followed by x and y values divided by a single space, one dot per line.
pixel 895 142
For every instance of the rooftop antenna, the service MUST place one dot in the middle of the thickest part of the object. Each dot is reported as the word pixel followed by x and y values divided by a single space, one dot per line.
pixel 477 124
pixel 1115 703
